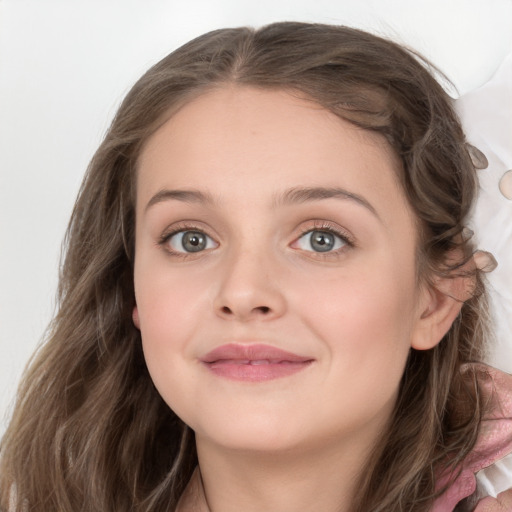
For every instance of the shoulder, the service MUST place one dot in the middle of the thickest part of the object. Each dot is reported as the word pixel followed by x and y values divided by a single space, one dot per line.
pixel 487 470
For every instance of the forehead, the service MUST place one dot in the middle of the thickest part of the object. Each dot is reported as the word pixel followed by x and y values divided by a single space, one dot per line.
pixel 247 142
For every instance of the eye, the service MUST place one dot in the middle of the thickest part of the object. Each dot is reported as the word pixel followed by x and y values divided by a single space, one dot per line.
pixel 320 241
pixel 188 241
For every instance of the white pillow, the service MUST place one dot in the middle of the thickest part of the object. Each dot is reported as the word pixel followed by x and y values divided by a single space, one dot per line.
pixel 486 115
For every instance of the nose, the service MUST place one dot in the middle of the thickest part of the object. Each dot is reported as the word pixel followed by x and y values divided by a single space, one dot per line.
pixel 249 289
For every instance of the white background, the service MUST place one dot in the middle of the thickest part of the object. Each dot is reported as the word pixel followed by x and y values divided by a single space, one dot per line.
pixel 66 64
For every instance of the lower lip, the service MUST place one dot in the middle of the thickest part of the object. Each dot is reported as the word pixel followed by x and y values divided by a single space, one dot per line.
pixel 256 372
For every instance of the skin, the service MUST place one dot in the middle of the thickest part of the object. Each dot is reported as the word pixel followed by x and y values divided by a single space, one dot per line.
pixel 296 443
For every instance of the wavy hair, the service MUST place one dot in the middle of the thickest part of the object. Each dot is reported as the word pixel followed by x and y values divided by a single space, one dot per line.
pixel 89 431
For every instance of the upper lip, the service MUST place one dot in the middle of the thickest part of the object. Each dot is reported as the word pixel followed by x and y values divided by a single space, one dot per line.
pixel 252 352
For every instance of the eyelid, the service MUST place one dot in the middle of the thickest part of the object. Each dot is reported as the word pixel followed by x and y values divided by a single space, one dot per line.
pixel 182 227
pixel 329 227
pixel 309 226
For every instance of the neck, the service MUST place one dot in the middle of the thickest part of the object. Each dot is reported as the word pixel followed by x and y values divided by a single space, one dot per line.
pixel 292 481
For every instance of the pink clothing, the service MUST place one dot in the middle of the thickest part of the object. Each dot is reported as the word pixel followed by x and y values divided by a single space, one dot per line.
pixel 494 443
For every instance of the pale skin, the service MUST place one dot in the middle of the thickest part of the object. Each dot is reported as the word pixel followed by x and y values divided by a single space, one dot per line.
pixel 229 166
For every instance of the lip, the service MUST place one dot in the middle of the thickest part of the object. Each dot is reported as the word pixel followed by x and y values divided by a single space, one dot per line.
pixel 253 363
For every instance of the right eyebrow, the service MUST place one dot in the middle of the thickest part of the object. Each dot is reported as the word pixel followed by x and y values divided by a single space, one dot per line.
pixel 187 196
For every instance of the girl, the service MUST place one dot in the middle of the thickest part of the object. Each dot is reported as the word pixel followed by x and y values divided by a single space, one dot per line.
pixel 269 300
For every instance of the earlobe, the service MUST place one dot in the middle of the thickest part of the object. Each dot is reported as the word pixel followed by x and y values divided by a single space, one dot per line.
pixel 135 317
pixel 440 307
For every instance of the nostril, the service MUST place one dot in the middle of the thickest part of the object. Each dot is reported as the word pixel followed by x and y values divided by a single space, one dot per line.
pixel 227 311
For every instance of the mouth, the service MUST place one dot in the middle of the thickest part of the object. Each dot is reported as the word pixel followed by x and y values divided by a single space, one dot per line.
pixel 253 363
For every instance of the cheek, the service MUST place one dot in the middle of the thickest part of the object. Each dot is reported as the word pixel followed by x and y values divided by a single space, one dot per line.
pixel 167 323
pixel 166 298
pixel 169 306
pixel 361 302
pixel 365 320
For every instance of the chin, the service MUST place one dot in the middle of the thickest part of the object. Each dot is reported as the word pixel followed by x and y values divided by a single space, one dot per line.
pixel 253 435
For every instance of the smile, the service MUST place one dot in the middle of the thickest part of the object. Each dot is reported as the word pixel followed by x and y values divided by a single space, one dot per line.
pixel 253 363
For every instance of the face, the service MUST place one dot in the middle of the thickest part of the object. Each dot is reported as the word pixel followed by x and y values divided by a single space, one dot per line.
pixel 275 273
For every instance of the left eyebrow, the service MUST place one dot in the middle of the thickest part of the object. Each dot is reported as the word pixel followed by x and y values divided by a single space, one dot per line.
pixel 306 194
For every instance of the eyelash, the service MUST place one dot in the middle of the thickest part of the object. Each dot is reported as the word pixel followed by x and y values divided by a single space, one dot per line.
pixel 324 226
pixel 328 227
pixel 180 228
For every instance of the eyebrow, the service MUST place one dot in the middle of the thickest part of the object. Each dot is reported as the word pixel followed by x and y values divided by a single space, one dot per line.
pixel 294 195
pixel 306 194
pixel 186 196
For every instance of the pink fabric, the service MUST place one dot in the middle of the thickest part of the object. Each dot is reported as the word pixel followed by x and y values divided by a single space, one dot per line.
pixel 494 443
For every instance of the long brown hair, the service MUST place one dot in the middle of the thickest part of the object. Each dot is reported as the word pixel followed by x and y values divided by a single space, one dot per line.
pixel 90 432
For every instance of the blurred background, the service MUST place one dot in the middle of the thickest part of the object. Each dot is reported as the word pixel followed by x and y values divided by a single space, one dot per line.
pixel 65 65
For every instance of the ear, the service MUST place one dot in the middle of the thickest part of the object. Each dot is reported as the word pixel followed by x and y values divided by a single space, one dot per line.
pixel 440 304
pixel 135 317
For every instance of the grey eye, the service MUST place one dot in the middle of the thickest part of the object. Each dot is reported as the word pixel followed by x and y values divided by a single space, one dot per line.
pixel 320 241
pixel 190 241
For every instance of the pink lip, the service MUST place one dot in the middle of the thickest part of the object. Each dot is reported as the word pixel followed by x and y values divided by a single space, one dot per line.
pixel 253 362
